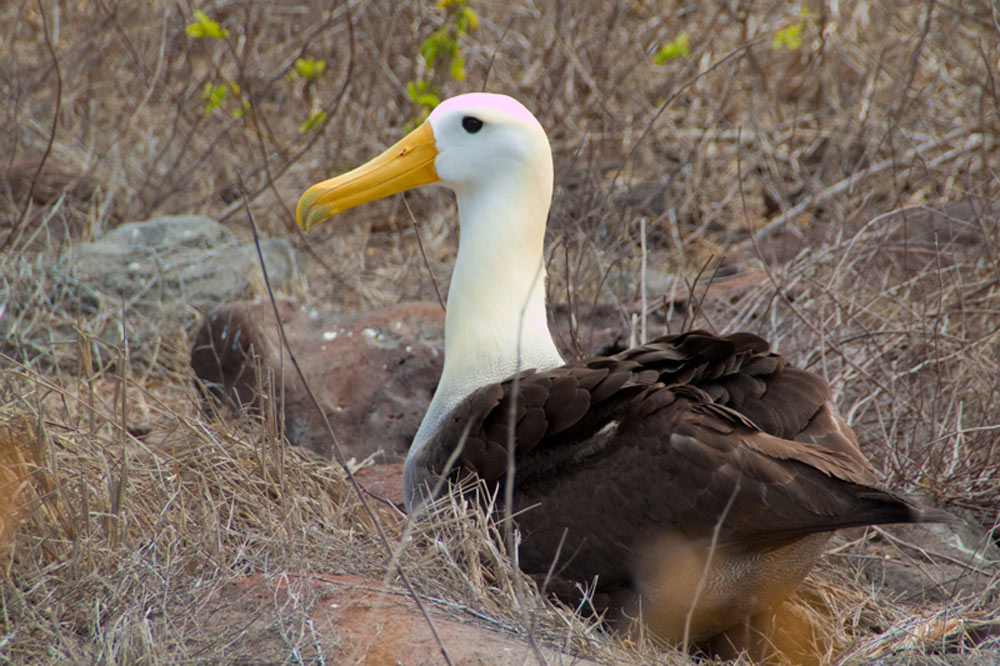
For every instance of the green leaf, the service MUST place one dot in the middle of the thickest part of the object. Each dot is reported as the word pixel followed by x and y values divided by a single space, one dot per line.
pixel 309 69
pixel 678 48
pixel 315 119
pixel 214 96
pixel 423 94
pixel 471 17
pixel 436 44
pixel 205 27
pixel 429 100
pixel 789 37
pixel 465 21
pixel 411 91
pixel 244 108
pixel 428 50
pixel 457 68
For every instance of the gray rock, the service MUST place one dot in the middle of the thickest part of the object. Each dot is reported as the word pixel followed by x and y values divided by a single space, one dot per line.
pixel 163 272
pixel 185 258
pixel 931 564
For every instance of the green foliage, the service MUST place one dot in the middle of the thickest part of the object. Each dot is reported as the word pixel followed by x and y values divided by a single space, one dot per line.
pixel 422 93
pixel 205 27
pixel 315 119
pixel 218 95
pixel 307 68
pixel 214 96
pixel 440 51
pixel 243 108
pixel 439 43
pixel 678 48
pixel 790 37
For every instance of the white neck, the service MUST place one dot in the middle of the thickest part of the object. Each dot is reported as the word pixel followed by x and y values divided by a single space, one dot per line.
pixel 496 322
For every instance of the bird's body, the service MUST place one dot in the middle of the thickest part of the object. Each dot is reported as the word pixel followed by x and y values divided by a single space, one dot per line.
pixel 694 454
pixel 695 478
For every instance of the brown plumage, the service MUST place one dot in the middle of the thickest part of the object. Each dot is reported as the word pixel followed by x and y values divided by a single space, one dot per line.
pixel 630 461
pixel 693 480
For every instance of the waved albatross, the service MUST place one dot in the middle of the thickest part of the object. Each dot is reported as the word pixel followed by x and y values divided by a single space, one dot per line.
pixel 626 464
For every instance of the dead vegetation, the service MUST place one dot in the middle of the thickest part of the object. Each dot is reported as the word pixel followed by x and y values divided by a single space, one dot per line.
pixel 123 506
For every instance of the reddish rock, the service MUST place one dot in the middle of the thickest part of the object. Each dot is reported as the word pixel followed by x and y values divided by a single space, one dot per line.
pixel 347 620
pixel 373 374
pixel 383 482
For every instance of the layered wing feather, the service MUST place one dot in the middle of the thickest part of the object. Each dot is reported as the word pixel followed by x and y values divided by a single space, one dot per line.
pixel 683 434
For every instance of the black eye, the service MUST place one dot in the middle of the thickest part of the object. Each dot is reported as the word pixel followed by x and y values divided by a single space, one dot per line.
pixel 471 124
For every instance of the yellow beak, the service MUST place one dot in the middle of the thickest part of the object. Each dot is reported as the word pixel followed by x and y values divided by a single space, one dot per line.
pixel 408 164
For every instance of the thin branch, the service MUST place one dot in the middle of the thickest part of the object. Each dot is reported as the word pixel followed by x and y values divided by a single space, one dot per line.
pixel 16 229
pixel 973 141
pixel 420 244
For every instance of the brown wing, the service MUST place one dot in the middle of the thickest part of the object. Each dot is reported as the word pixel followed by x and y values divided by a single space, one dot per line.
pixel 681 434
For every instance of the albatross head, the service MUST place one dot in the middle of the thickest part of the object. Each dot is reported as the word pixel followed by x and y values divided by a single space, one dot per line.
pixel 493 153
pixel 470 144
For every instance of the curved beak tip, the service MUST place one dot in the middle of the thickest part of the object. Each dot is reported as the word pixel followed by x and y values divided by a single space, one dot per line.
pixel 305 215
pixel 407 164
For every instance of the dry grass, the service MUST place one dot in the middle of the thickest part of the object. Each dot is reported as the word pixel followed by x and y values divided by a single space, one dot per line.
pixel 132 505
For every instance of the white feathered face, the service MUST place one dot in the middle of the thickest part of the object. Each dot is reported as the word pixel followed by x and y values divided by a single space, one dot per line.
pixel 482 137
pixel 467 142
